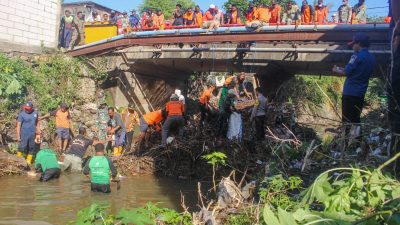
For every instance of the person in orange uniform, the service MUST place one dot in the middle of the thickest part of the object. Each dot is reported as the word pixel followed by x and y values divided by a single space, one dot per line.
pixel 321 13
pixel 159 20
pixel 263 14
pixel 63 125
pixel 209 17
pixel 198 16
pixel 149 120
pixel 275 11
pixel 175 112
pixel 234 15
pixel 189 17
pixel 307 13
pixel 205 103
pixel 251 15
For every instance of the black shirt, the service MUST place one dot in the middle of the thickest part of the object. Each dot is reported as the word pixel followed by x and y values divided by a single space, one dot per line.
pixel 79 146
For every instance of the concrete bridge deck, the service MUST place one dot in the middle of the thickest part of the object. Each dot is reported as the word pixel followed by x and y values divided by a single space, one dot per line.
pixel 149 65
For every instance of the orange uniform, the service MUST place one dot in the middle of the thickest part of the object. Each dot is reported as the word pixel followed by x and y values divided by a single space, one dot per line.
pixel 158 21
pixel 199 19
pixel 208 16
pixel 62 119
pixel 235 18
pixel 263 15
pixel 175 108
pixel 251 16
pixel 275 14
pixel 306 14
pixel 153 117
pixel 189 18
pixel 388 19
pixel 321 14
pixel 205 97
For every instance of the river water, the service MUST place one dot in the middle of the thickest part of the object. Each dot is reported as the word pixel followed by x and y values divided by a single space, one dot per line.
pixel 25 201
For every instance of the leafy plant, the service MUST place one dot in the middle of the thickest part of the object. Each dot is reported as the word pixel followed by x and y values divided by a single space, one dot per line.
pixel 215 158
pixel 276 190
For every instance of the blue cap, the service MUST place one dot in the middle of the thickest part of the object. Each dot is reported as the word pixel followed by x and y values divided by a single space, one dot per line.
pixel 29 104
pixel 359 37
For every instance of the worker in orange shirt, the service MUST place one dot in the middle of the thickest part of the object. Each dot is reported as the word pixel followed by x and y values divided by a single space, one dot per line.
pixel 146 122
pixel 321 13
pixel 175 112
pixel 205 103
pixel 307 13
pixel 159 20
pixel 388 19
pixel 251 15
pixel 209 17
pixel 189 17
pixel 234 15
pixel 198 16
pixel 275 11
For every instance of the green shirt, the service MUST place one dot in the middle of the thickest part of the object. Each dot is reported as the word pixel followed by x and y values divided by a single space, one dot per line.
pixel 224 93
pixel 100 168
pixel 46 159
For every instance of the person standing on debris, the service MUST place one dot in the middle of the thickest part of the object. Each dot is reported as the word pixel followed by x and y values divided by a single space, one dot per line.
pixel 233 120
pixel 102 120
pixel 275 11
pixel 28 132
pixel 359 12
pixel 181 97
pixel 175 112
pixel 79 145
pixel 205 103
pixel 357 72
pixel 345 12
pixel 46 163
pixel 99 167
pixel 130 118
pixel 307 13
pixel 149 120
pixel 258 114
pixel 65 31
pixel 241 86
pixel 321 13
pixel 63 125
pixel 394 84
pixel 119 131
pixel 224 91
pixel 78 31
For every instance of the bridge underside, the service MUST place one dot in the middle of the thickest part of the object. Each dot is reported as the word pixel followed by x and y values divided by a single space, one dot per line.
pixel 148 69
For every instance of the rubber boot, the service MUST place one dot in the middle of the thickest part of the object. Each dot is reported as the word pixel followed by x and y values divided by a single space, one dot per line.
pixel 20 155
pixel 29 159
pixel 116 151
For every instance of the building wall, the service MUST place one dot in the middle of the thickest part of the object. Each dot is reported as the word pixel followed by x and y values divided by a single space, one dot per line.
pixel 27 24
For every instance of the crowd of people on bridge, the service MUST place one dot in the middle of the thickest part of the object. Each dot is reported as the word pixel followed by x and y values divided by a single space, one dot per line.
pixel 256 16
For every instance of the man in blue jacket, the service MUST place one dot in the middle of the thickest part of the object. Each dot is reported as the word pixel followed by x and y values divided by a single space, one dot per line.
pixel 357 72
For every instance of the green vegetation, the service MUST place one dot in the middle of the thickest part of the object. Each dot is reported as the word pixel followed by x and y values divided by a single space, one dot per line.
pixel 149 214
pixel 47 82
pixel 166 6
pixel 215 159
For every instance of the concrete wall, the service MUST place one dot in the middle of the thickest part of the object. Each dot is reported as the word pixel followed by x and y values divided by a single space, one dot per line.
pixel 26 24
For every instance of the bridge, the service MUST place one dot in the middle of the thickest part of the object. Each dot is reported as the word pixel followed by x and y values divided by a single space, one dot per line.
pixel 274 54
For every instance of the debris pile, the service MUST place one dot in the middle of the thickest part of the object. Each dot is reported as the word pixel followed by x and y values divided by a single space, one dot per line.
pixel 11 164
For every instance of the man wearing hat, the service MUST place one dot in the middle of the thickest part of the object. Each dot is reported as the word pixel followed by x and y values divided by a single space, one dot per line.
pixel 46 163
pixel 357 72
pixel 63 125
pixel 130 118
pixel 209 17
pixel 175 111
pixel 28 131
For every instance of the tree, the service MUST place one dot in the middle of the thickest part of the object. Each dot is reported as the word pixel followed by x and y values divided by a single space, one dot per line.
pixel 166 6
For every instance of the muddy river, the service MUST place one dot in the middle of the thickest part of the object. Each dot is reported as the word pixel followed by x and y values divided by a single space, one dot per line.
pixel 25 201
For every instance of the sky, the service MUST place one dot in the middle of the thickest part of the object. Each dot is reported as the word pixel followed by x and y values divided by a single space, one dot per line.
pixel 126 5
